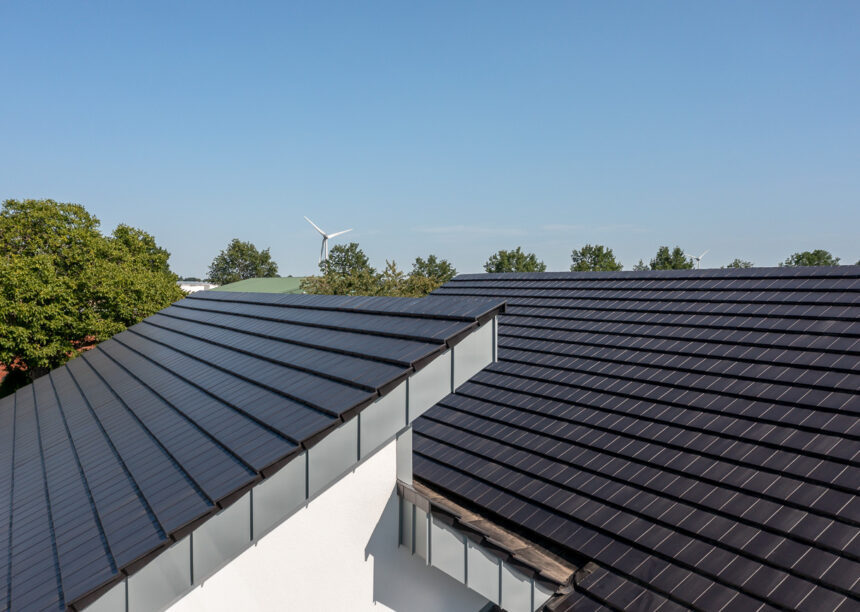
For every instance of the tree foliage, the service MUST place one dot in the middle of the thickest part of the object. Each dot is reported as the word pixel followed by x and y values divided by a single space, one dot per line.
pixel 439 270
pixel 594 258
pixel 241 260
pixel 348 272
pixel 514 261
pixel 641 266
pixel 62 282
pixel 818 257
pixel 740 263
pixel 671 260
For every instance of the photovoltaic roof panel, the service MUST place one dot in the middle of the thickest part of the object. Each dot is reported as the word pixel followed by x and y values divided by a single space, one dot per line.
pixel 107 460
pixel 694 435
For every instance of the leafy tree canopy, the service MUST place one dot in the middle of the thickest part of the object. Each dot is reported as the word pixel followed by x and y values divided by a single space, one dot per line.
pixel 594 258
pixel 641 266
pixel 818 257
pixel 740 263
pixel 671 260
pixel 62 282
pixel 348 272
pixel 514 261
pixel 241 260
pixel 440 270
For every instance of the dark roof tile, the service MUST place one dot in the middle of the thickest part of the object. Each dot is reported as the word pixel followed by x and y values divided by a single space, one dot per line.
pixel 103 460
pixel 707 417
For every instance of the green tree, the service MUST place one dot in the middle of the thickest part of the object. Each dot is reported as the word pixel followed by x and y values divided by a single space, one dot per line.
pixel 818 257
pixel 514 261
pixel 739 263
pixel 671 260
pixel 594 258
pixel 641 266
pixel 347 271
pixel 241 260
pixel 392 281
pixel 63 283
pixel 438 269
pixel 427 275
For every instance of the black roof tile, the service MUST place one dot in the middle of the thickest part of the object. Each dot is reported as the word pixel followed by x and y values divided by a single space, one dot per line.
pixel 104 460
pixel 694 433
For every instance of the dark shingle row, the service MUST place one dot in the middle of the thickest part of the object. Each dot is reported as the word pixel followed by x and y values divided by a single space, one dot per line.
pixel 107 460
pixel 693 434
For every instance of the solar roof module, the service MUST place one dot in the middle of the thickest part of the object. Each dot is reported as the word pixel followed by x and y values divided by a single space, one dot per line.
pixel 111 458
pixel 693 434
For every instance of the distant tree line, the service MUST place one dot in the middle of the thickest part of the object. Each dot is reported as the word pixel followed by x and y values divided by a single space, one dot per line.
pixel 347 271
pixel 599 258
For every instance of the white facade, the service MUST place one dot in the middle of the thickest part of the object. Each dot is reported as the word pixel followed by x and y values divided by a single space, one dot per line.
pixel 338 552
pixel 323 532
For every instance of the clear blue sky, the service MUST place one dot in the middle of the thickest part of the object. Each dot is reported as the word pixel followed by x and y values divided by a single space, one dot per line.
pixel 455 128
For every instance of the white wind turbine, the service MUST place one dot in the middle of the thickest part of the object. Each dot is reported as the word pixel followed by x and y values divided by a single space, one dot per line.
pixel 698 259
pixel 325 237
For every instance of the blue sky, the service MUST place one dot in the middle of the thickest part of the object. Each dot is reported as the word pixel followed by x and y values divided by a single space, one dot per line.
pixel 454 128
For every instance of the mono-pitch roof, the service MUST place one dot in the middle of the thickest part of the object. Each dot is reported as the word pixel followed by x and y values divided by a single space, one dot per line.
pixel 106 461
pixel 692 434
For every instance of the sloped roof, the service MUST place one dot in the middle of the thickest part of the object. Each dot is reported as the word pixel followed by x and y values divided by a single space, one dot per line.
pixel 694 434
pixel 277 284
pixel 108 459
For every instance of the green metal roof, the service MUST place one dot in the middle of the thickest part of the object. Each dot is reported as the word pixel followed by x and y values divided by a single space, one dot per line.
pixel 288 284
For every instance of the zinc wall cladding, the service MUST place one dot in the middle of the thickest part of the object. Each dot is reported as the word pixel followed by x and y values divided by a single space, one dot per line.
pixel 694 434
pixel 108 460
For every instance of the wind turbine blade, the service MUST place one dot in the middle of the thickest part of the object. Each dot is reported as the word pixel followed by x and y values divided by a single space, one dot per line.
pixel 339 233
pixel 315 226
pixel 703 254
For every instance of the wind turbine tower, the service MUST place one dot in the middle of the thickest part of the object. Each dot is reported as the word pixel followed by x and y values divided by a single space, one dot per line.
pixel 325 237
pixel 697 259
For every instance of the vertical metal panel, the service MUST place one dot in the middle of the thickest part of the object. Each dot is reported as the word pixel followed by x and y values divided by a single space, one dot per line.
pixel 404 456
pixel 407 524
pixel 162 581
pixel 333 456
pixel 495 338
pixel 428 386
pixel 277 497
pixel 382 420
pixel 516 591
pixel 473 354
pixel 112 601
pixel 222 538
pixel 449 550
pixel 420 530
pixel 483 572
pixel 541 594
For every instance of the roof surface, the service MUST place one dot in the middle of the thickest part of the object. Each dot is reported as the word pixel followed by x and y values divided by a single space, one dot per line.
pixel 693 434
pixel 286 284
pixel 106 460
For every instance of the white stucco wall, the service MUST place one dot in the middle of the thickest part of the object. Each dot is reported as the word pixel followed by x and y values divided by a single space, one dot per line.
pixel 340 552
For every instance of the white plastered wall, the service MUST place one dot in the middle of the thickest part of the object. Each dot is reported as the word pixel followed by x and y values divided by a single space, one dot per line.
pixel 339 552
